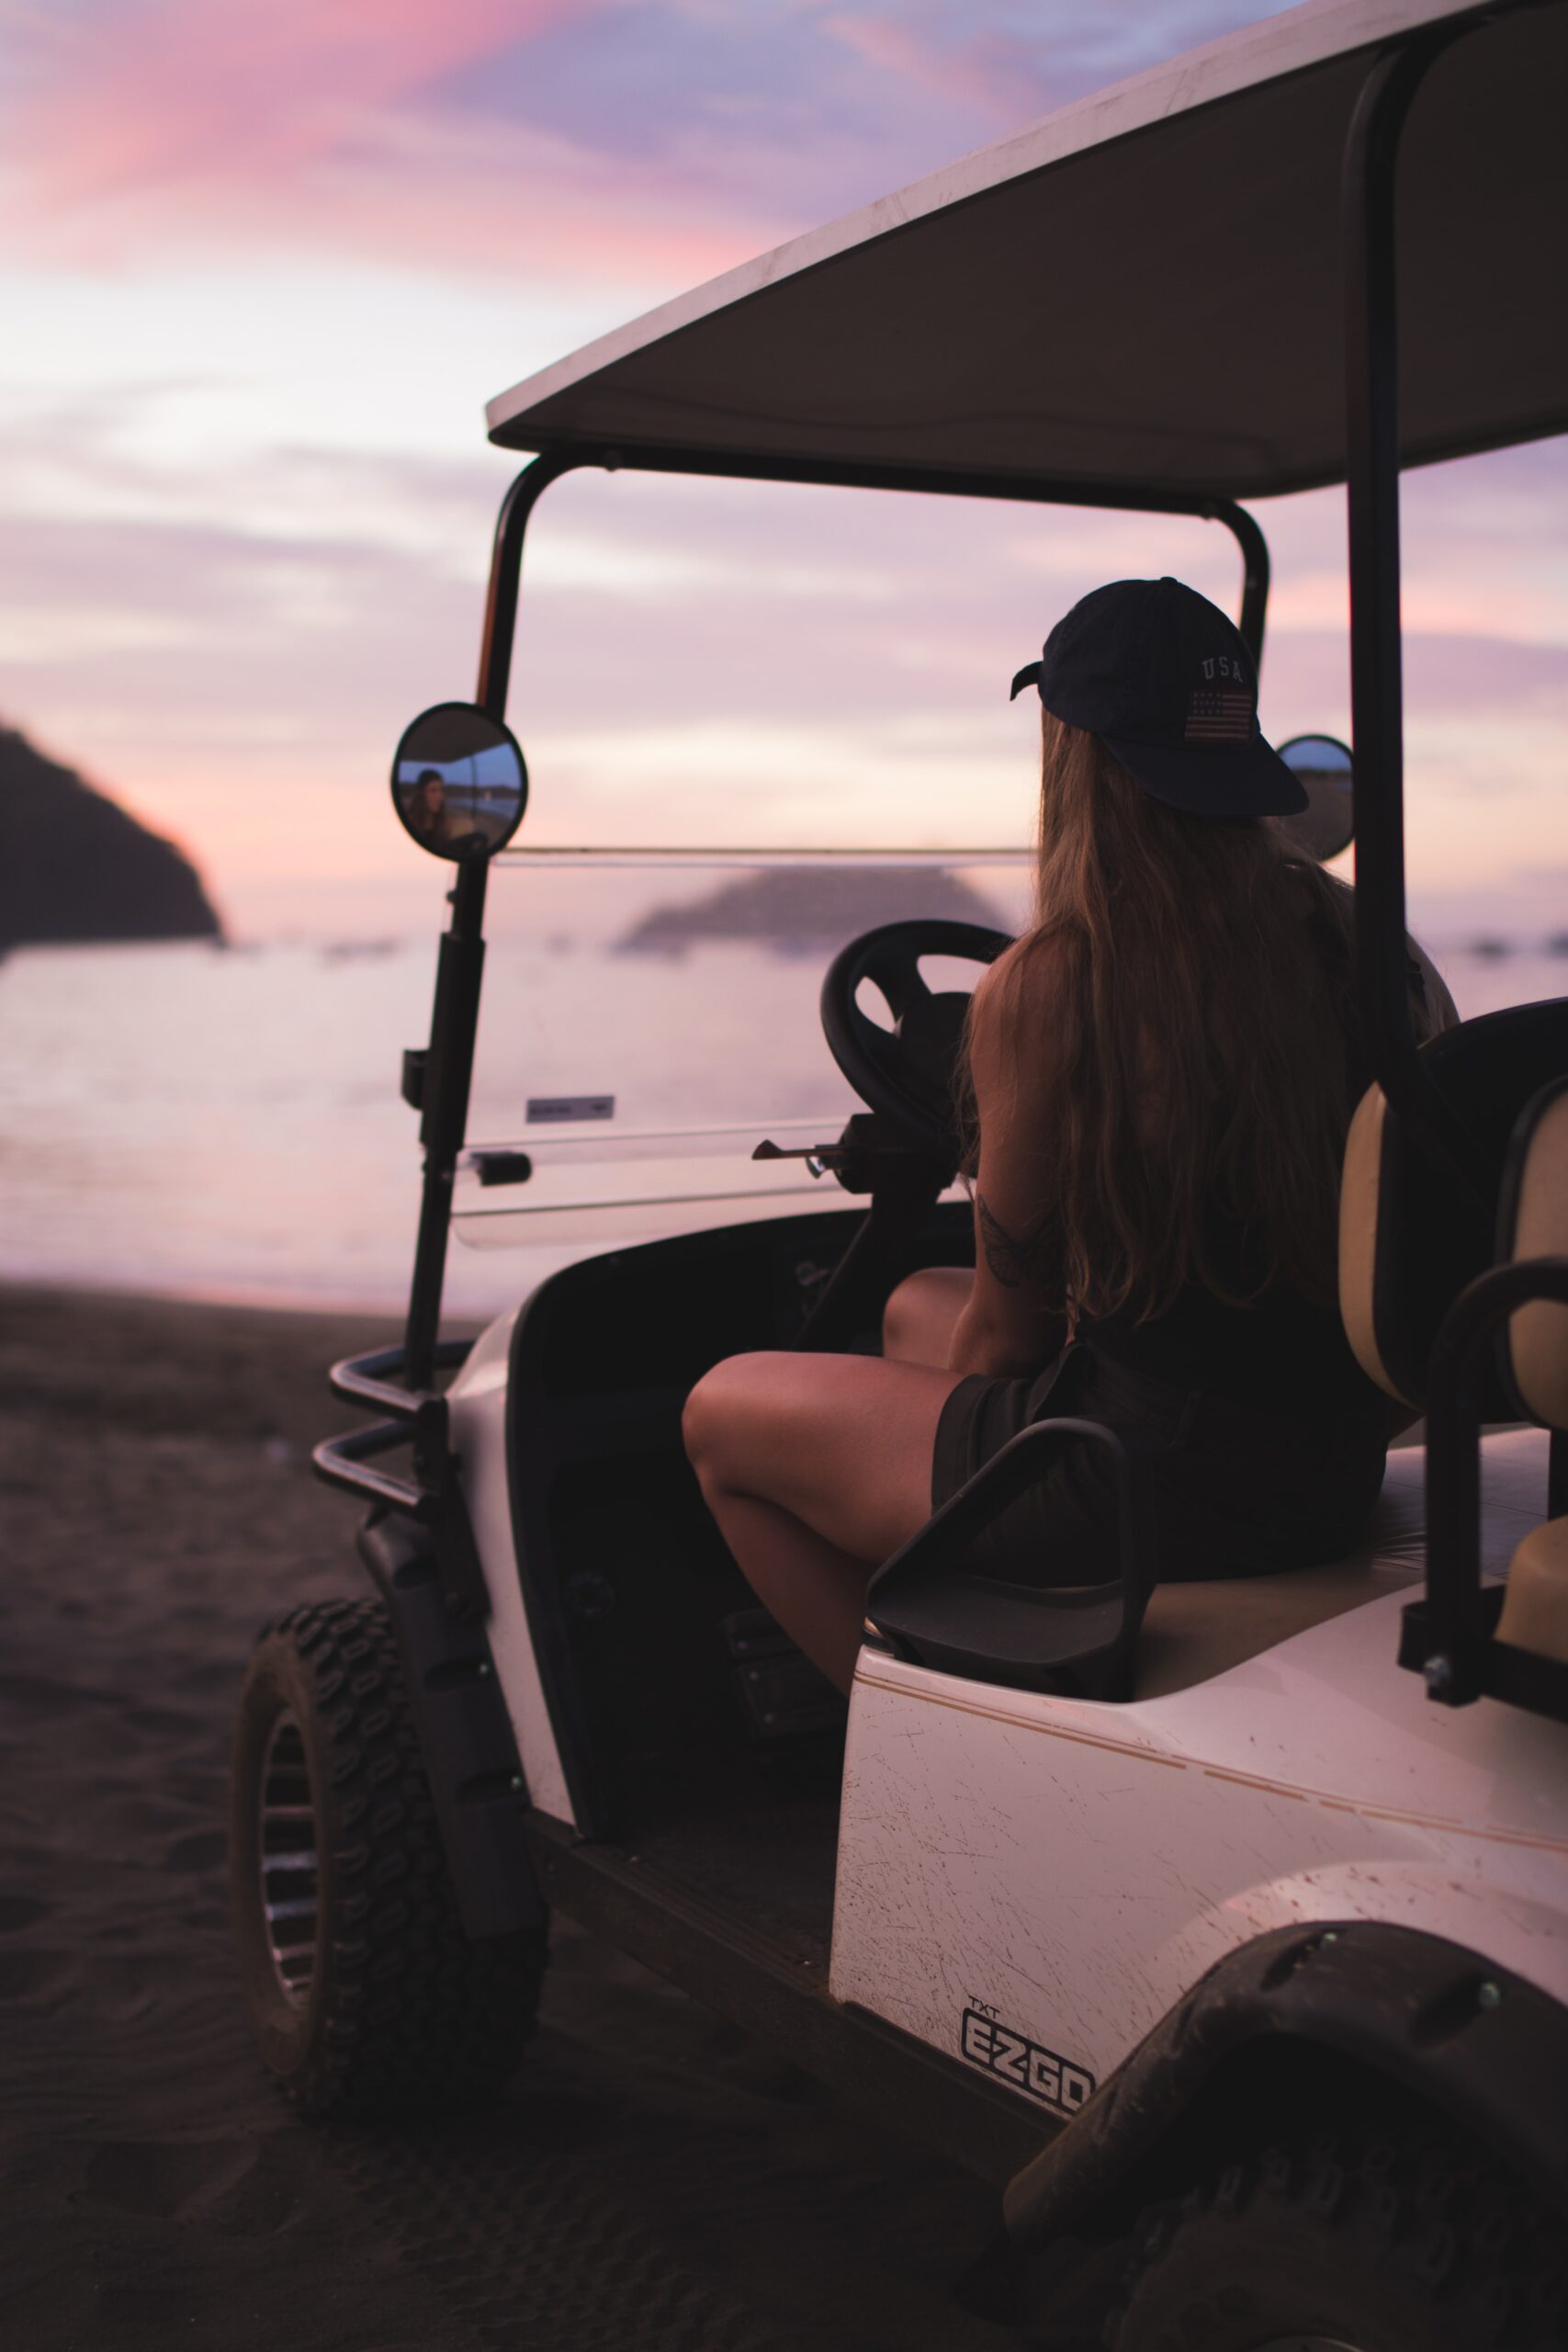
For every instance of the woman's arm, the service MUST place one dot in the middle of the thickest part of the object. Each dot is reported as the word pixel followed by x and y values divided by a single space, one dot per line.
pixel 1432 1008
pixel 1009 1326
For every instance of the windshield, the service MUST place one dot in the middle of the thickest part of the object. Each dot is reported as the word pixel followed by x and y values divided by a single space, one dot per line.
pixel 649 1018
pixel 759 720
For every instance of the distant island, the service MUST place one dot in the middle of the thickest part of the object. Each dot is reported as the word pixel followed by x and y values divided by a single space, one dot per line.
pixel 75 868
pixel 805 910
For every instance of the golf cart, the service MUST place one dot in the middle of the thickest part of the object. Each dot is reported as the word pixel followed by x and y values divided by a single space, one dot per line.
pixel 1224 1925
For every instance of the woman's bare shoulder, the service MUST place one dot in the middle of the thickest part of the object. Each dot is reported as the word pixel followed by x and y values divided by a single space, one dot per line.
pixel 1017 1003
pixel 1025 977
pixel 1434 1007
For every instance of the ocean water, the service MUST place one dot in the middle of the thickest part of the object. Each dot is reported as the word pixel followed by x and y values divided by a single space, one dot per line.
pixel 226 1123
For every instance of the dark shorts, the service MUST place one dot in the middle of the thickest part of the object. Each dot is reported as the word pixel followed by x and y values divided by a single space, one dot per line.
pixel 1239 1490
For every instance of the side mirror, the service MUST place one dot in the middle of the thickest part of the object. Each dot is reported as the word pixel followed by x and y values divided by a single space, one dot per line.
pixel 459 785
pixel 1320 765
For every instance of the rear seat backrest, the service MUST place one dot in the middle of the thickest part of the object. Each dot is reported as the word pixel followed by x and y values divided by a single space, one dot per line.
pixel 1410 1237
pixel 1533 1223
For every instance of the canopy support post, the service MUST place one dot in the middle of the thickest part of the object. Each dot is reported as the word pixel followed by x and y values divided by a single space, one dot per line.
pixel 448 1067
pixel 506 573
pixel 1372 445
pixel 455 1017
pixel 1248 535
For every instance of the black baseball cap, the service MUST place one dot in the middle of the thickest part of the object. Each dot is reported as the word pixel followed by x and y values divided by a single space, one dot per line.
pixel 1167 684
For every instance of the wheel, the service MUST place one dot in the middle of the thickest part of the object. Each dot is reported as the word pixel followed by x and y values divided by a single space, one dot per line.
pixel 1396 2240
pixel 365 1994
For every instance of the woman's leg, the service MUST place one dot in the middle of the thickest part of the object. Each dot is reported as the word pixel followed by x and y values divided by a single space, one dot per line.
pixel 816 1469
pixel 919 1319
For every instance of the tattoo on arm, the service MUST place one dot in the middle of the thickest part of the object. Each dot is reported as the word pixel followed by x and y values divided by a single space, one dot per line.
pixel 1016 1262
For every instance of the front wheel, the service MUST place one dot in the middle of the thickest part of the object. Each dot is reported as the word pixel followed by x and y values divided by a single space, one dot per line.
pixel 1395 2241
pixel 365 1994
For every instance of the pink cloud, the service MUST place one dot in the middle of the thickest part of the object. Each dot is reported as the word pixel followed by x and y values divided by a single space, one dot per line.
pixel 424 190
pixel 311 126
pixel 189 126
pixel 522 201
pixel 175 91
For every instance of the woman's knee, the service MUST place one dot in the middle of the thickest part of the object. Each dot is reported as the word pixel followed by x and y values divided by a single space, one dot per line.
pixel 904 1315
pixel 715 1411
pixel 918 1320
pixel 701 1418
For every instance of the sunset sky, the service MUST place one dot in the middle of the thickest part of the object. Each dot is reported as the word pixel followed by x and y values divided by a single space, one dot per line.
pixel 261 267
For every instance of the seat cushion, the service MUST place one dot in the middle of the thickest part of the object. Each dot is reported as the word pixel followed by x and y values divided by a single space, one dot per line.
pixel 1192 1632
pixel 1412 1233
pixel 1535 1607
pixel 1534 1224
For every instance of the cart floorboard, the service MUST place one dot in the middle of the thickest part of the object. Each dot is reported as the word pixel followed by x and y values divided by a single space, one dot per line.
pixel 698 1902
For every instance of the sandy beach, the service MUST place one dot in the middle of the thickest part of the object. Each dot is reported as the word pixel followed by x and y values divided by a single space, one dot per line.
pixel 653 2178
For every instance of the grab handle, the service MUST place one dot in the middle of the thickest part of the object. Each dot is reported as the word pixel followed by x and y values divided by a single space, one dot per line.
pixel 346 1462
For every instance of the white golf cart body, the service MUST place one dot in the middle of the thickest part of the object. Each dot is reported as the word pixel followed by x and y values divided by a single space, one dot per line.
pixel 1141 303
pixel 1031 1883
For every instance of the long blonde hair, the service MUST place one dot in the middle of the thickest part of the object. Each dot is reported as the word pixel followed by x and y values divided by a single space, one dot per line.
pixel 1196 1067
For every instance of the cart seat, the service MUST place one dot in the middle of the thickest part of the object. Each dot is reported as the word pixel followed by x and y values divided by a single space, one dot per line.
pixel 1413 1234
pixel 1409 1242
pixel 1192 1631
pixel 1534 1225
pixel 1535 1612
pixel 1410 1236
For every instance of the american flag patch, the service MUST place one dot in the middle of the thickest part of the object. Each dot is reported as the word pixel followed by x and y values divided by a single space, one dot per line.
pixel 1219 715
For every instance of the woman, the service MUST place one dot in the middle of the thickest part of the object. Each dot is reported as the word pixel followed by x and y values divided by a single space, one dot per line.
pixel 1160 1075
pixel 435 826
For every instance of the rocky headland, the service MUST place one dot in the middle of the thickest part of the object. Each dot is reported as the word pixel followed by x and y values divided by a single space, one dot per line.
pixel 802 910
pixel 75 868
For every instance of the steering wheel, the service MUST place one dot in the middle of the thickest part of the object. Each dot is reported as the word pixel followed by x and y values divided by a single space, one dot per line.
pixel 906 1074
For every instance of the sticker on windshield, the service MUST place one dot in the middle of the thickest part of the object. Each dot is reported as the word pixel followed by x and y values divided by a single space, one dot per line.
pixel 1026 2065
pixel 558 1110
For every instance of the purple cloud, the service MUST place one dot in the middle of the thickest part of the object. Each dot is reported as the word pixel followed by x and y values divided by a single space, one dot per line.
pixel 659 141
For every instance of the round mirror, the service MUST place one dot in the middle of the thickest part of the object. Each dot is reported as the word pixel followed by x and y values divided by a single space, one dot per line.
pixel 459 782
pixel 1320 765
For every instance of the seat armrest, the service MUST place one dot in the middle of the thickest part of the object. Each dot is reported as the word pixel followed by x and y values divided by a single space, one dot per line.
pixel 1450 1636
pixel 933 1611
